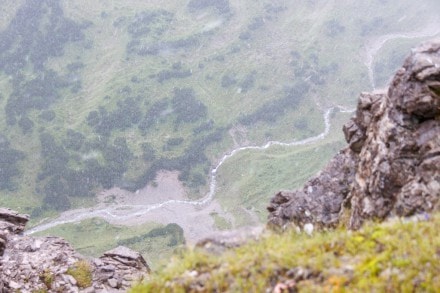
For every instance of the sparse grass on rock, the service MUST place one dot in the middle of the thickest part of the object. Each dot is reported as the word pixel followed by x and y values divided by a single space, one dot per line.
pixel 47 277
pixel 82 272
pixel 395 256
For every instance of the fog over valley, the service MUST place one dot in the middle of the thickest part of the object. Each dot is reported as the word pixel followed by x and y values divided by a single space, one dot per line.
pixel 156 123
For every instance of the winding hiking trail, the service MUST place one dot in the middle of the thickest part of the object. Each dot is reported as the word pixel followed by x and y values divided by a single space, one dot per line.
pixel 187 212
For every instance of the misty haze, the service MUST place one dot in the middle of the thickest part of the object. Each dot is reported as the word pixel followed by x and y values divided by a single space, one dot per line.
pixel 154 124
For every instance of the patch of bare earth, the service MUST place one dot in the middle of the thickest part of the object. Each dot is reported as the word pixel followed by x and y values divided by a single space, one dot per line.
pixel 165 187
pixel 195 220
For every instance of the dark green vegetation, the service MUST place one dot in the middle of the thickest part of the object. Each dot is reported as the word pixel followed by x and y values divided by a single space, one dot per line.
pixel 8 164
pixel 389 257
pixel 38 32
pixel 173 230
pixel 104 94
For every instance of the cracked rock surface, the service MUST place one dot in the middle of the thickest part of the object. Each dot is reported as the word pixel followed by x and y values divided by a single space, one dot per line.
pixel 391 166
pixel 29 264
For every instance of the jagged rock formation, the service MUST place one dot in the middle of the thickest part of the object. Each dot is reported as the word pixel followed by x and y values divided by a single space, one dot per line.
pixel 50 264
pixel 392 164
pixel 10 222
pixel 321 198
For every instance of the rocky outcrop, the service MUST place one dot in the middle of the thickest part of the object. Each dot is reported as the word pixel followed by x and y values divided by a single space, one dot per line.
pixel 321 198
pixel 219 242
pixel 121 267
pixel 10 222
pixel 391 165
pixel 29 264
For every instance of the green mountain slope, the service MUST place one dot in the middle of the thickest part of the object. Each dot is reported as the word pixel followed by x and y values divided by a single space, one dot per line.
pixel 102 94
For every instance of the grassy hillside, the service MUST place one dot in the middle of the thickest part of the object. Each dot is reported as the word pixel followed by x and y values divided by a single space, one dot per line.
pixel 247 181
pixel 396 256
pixel 100 94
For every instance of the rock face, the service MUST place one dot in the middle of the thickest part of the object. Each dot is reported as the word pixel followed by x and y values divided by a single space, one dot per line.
pixel 321 198
pixel 392 163
pixel 29 264
pixel 10 222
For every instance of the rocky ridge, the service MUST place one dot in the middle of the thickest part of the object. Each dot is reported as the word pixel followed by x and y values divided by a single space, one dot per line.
pixel 50 264
pixel 391 166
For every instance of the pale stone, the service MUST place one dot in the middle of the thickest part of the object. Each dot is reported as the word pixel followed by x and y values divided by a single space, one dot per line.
pixel 308 228
pixel 113 283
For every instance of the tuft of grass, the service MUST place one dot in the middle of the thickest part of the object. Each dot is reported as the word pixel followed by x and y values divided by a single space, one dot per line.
pixel 47 277
pixel 82 272
pixel 396 256
pixel 221 222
